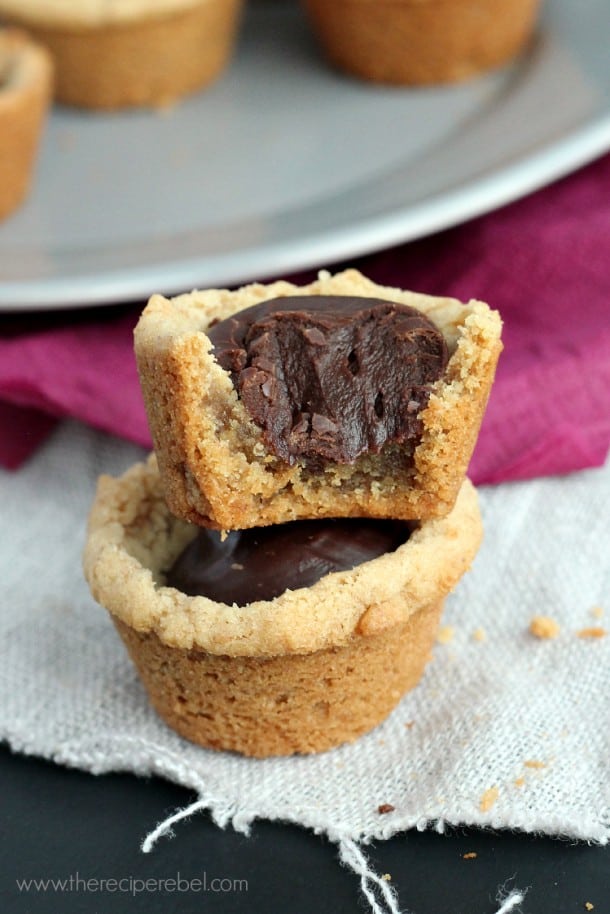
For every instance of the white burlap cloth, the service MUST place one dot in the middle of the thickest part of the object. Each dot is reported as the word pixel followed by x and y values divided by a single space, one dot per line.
pixel 505 730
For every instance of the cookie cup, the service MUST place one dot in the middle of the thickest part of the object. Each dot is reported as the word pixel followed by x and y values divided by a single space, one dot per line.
pixel 26 77
pixel 131 54
pixel 308 670
pixel 418 42
pixel 215 466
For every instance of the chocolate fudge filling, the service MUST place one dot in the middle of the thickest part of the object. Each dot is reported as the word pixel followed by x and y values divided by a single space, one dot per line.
pixel 331 377
pixel 262 562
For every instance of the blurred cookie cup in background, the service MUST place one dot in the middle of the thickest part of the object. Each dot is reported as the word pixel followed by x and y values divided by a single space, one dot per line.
pixel 130 52
pixel 26 80
pixel 421 42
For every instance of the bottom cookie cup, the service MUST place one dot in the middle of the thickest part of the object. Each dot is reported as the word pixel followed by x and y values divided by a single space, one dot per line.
pixel 418 42
pixel 310 669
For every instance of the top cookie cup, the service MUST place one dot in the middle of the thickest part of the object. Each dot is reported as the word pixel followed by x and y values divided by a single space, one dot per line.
pixel 216 467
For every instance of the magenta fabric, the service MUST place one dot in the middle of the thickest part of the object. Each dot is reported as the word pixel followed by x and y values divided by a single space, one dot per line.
pixel 544 262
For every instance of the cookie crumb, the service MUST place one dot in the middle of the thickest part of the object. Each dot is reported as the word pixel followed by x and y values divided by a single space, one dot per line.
pixel 534 763
pixel 488 799
pixel 445 634
pixel 544 627
pixel 519 782
pixel 409 724
pixel 479 634
pixel 589 906
pixel 387 877
pixel 597 612
pixel 470 855
pixel 596 631
pixel 385 808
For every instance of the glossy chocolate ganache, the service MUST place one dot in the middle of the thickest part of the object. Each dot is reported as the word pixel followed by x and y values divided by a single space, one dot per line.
pixel 331 377
pixel 263 562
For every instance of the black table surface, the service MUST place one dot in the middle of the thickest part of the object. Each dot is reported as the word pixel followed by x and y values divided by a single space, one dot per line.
pixel 61 824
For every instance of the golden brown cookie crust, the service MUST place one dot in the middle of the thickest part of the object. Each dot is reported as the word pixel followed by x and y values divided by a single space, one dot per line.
pixel 26 77
pixel 133 537
pixel 262 706
pixel 215 467
pixel 417 42
pixel 146 60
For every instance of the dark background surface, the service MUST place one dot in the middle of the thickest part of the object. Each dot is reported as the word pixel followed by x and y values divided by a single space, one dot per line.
pixel 58 822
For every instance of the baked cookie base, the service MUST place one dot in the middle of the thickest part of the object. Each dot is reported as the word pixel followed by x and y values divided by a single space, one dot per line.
pixel 26 77
pixel 215 466
pixel 419 42
pixel 301 703
pixel 145 62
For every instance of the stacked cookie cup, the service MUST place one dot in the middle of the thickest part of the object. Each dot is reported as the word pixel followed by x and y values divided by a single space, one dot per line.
pixel 258 480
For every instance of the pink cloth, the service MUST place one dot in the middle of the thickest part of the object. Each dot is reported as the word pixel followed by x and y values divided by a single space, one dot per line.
pixel 543 262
